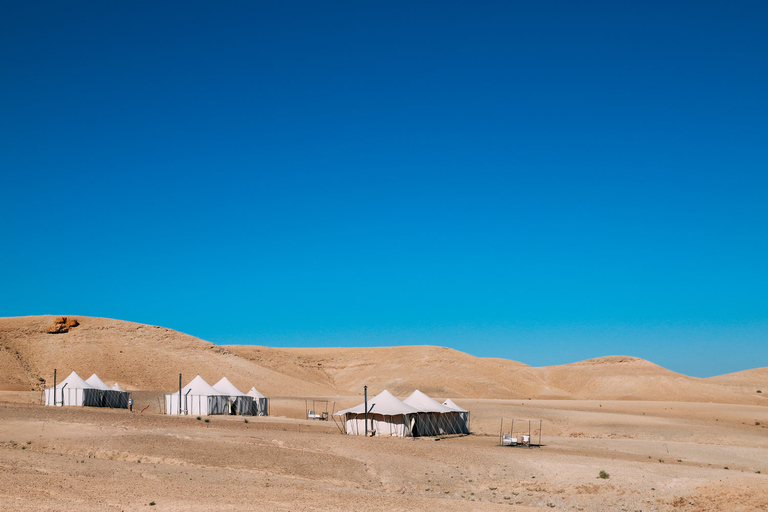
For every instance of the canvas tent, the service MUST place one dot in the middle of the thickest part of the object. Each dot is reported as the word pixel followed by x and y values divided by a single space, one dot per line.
pixel 78 392
pixel 118 387
pixel 107 396
pixel 239 402
pixel 71 391
pixel 197 398
pixel 460 417
pixel 260 403
pixel 434 418
pixel 387 416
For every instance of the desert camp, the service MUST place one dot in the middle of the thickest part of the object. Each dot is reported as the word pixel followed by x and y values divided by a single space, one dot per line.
pixel 576 419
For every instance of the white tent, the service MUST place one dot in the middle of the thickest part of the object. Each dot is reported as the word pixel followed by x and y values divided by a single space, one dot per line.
pixel 71 391
pixel 197 397
pixel 108 397
pixel 387 416
pixel 434 418
pixel 118 387
pixel 260 403
pixel 239 402
pixel 461 417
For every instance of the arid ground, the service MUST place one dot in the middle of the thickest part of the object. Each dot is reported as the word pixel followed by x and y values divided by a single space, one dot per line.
pixel 666 441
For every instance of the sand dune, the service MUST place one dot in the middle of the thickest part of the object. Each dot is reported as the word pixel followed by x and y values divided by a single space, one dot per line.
pixel 149 357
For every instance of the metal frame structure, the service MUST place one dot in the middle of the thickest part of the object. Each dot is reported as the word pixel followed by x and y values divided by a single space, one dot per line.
pixel 524 439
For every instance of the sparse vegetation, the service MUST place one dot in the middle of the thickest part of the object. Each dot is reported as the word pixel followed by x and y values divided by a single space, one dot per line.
pixel 151 503
pixel 604 475
pixel 199 418
pixel 757 423
pixel 207 420
pixel 246 420
pixel 759 391
pixel 726 467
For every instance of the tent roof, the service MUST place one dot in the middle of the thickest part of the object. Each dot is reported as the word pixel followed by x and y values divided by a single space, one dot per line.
pixel 117 387
pixel 384 403
pixel 452 406
pixel 74 381
pixel 227 388
pixel 255 394
pixel 97 383
pixel 198 387
pixel 423 403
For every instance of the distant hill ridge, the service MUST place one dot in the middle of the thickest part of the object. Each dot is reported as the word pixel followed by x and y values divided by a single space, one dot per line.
pixel 148 357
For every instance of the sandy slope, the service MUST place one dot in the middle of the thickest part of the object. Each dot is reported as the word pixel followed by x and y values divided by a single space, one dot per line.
pixel 135 355
pixel 149 357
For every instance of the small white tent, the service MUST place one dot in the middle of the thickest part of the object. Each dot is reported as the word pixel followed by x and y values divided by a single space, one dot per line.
pixel 260 403
pixel 71 391
pixel 433 418
pixel 239 402
pixel 118 387
pixel 108 397
pixel 461 417
pixel 387 416
pixel 197 397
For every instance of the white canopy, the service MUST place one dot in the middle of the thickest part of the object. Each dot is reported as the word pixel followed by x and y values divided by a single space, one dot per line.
pixel 384 403
pixel 97 383
pixel 452 406
pixel 423 403
pixel 227 388
pixel 255 394
pixel 117 387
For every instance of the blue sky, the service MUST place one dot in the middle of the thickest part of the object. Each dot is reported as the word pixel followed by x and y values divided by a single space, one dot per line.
pixel 541 181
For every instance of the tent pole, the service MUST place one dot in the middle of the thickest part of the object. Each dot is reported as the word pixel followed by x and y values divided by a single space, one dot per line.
pixel 179 394
pixel 54 387
pixel 365 391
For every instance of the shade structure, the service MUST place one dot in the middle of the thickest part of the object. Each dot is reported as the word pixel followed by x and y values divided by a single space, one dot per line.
pixel 434 418
pixel 118 387
pixel 238 402
pixel 388 416
pixel 461 417
pixel 260 403
pixel 197 398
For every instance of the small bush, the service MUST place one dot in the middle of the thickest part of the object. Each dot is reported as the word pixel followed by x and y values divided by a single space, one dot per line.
pixel 757 423
pixel 604 475
pixel 199 418
pixel 759 391
pixel 246 420
pixel 151 503
pixel 207 420
pixel 726 467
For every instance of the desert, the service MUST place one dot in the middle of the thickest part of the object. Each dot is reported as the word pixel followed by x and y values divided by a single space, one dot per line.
pixel 664 441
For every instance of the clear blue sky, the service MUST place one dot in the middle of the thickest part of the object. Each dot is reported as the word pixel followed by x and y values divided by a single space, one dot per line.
pixel 541 181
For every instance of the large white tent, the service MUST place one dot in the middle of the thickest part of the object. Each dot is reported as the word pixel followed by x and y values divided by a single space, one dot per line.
pixel 260 403
pixel 197 397
pixel 461 417
pixel 239 402
pixel 92 392
pixel 433 418
pixel 72 391
pixel 387 416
